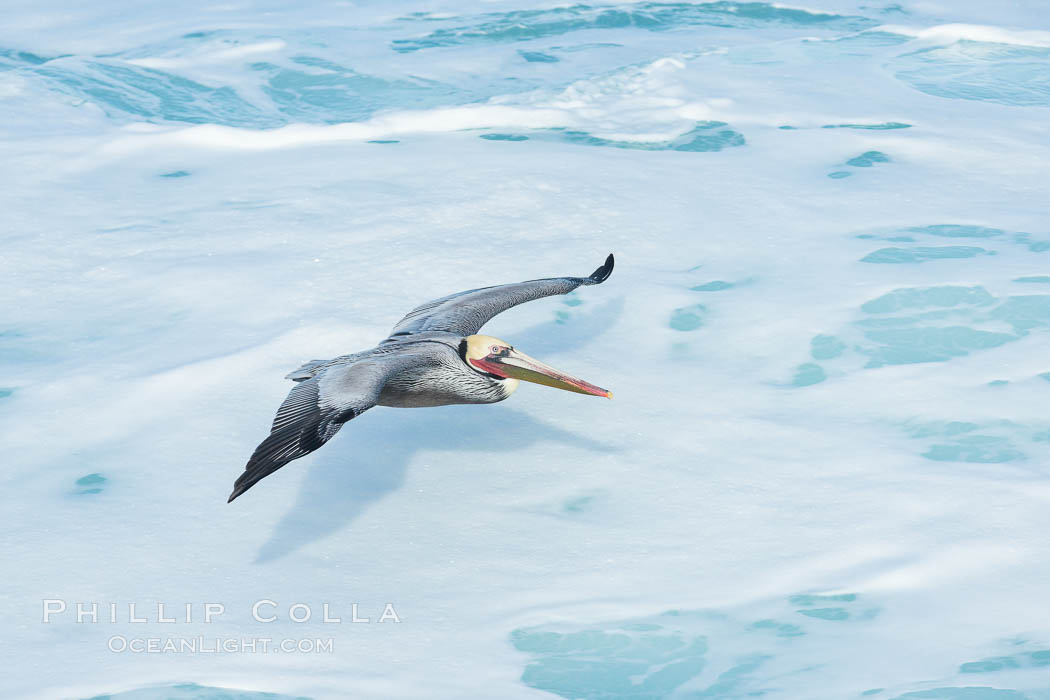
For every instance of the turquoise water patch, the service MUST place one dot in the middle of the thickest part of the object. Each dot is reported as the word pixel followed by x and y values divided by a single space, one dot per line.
pixel 1008 74
pixel 646 659
pixel 688 318
pixel 538 57
pixel 913 319
pixel 301 88
pixel 578 505
pixel 833 614
pixel 700 141
pixel 316 90
pixel 780 629
pixel 123 90
pixel 884 126
pixel 384 141
pixel 825 347
pixel 917 298
pixel 11 59
pixel 615 661
pixel 1034 246
pixel 811 599
pixel 1024 312
pixel 1034 279
pixel 957 231
pixel 978 449
pixel 920 254
pixel 704 137
pixel 1031 659
pixel 571 299
pixel 808 374
pixel 868 159
pixel 965 231
pixel 998 382
pixel 970 231
pixel 948 429
pixel 581 504
pixel 964 693
pixel 716 286
pixel 823 607
pixel 901 346
pixel 694 654
pixel 587 47
pixel 865 160
pixel 730 683
pixel 525 25
pixel 91 483
pixel 192 691
pixel 4 393
pixel 855 47
pixel 959 441
pixel 176 173
pixel 504 137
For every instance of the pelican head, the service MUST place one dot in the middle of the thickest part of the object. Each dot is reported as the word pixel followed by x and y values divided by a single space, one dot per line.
pixel 497 358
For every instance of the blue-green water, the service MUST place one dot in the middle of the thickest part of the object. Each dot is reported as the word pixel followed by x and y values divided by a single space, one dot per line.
pixel 824 472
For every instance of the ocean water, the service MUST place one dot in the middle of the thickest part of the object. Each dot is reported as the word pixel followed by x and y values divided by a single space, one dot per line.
pixel 824 475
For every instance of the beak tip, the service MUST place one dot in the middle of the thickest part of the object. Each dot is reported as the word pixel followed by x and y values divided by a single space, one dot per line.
pixel 608 394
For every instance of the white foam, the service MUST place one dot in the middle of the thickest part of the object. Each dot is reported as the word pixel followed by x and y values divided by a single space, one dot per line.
pixel 206 56
pixel 648 96
pixel 950 33
pixel 160 278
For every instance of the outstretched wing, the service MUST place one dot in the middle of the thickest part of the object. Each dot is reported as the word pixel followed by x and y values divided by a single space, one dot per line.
pixel 466 312
pixel 314 411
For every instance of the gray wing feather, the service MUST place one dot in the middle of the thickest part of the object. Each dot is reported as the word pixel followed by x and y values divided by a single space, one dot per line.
pixel 312 413
pixel 306 371
pixel 466 312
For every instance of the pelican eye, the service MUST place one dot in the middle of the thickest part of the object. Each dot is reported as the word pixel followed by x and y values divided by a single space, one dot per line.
pixel 495 349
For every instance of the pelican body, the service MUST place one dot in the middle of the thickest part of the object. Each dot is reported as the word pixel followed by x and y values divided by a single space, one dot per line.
pixel 433 357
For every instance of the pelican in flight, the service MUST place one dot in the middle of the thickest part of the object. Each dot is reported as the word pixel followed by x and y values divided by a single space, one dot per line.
pixel 433 357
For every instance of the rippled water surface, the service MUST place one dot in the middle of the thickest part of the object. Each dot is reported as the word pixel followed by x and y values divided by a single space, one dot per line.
pixel 825 472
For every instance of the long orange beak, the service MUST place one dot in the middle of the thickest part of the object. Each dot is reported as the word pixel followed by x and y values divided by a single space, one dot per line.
pixel 518 365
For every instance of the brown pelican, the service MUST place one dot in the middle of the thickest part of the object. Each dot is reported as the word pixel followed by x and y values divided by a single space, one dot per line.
pixel 433 357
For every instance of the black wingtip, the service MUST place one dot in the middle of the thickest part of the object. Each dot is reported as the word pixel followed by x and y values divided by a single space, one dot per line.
pixel 603 272
pixel 242 484
pixel 239 487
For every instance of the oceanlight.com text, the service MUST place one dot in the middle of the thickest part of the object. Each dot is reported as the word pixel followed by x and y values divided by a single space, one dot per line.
pixel 218 645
